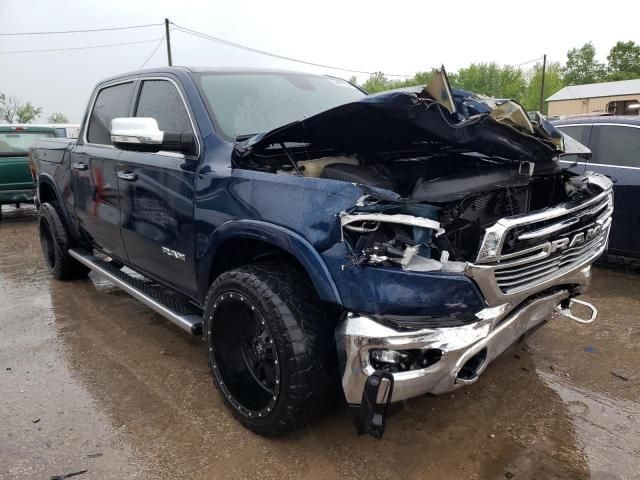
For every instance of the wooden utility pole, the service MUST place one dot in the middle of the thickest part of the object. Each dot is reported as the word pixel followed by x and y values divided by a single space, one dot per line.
pixel 168 38
pixel 544 69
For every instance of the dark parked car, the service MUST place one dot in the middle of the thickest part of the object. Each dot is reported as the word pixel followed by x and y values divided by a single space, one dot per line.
pixel 397 243
pixel 615 143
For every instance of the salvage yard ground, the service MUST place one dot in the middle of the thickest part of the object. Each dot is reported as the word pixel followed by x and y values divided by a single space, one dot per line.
pixel 90 379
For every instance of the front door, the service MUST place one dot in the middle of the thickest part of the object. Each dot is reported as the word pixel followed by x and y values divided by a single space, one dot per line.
pixel 93 172
pixel 157 192
pixel 616 154
pixel 581 133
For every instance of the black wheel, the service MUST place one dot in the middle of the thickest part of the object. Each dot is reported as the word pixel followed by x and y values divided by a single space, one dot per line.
pixel 55 242
pixel 270 347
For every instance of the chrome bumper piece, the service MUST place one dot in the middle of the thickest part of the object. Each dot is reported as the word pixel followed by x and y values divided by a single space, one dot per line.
pixel 357 335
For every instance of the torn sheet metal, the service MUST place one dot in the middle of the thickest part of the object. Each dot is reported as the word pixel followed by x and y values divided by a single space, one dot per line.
pixel 439 90
pixel 511 113
pixel 348 218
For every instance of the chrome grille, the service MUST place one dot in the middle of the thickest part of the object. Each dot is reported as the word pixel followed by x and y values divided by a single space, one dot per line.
pixel 518 238
pixel 529 253
pixel 534 271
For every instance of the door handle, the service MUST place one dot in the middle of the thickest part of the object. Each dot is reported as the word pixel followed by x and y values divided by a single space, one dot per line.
pixel 128 176
pixel 79 165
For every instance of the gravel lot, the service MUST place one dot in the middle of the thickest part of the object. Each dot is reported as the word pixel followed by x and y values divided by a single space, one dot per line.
pixel 90 379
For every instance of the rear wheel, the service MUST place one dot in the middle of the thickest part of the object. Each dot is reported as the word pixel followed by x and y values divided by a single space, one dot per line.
pixel 270 347
pixel 55 243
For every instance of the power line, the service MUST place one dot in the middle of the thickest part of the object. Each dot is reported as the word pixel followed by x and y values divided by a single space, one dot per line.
pixel 82 31
pixel 155 49
pixel 82 48
pixel 194 33
pixel 530 61
pixel 275 55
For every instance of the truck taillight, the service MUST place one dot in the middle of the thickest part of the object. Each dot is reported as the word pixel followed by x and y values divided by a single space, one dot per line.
pixel 32 167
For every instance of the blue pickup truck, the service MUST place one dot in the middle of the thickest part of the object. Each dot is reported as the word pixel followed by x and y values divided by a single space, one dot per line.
pixel 318 237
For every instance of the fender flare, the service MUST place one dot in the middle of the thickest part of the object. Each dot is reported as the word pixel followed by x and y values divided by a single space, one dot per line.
pixel 280 237
pixel 45 178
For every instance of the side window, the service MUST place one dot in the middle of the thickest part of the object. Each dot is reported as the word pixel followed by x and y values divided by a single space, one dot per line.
pixel 161 100
pixel 577 132
pixel 112 102
pixel 616 145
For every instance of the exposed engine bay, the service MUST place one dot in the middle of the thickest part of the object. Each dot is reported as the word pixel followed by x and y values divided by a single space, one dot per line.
pixel 437 166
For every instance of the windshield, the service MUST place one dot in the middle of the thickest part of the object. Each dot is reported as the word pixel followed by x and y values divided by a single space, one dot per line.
pixel 18 142
pixel 244 104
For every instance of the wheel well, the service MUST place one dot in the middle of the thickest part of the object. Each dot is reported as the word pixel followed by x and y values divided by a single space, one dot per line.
pixel 46 193
pixel 237 252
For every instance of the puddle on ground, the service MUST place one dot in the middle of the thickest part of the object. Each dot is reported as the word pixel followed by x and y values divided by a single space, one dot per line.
pixel 608 429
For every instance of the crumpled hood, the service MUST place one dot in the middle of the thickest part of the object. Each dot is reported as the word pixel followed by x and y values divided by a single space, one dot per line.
pixel 398 119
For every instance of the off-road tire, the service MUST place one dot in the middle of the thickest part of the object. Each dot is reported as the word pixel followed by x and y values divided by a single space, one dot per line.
pixel 302 330
pixel 55 241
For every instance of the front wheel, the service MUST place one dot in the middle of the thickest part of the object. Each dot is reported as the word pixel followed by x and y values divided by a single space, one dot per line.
pixel 270 347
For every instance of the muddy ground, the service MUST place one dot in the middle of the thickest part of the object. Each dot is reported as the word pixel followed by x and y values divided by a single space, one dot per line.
pixel 92 380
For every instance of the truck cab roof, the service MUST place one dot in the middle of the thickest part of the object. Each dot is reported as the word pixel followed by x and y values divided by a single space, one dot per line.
pixel 177 70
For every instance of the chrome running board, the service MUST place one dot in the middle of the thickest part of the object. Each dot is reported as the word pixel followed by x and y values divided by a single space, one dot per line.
pixel 181 313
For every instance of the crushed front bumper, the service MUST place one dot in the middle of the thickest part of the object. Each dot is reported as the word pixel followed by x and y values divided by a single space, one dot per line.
pixel 478 344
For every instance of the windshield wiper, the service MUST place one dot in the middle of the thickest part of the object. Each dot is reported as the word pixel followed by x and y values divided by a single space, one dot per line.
pixel 246 136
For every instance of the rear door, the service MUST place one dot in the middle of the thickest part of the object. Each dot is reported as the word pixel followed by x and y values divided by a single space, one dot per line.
pixel 93 171
pixel 157 191
pixel 616 154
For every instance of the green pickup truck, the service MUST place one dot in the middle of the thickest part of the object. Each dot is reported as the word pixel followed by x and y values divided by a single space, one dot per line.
pixel 16 183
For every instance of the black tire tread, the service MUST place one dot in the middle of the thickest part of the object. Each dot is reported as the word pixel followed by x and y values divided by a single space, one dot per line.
pixel 307 330
pixel 65 266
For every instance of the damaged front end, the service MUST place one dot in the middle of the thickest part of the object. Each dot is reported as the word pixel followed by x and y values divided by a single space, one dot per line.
pixel 459 189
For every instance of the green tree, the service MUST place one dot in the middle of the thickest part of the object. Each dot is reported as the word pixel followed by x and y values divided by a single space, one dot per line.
pixel 57 117
pixel 8 108
pixel 553 81
pixel 492 80
pixel 377 82
pixel 624 61
pixel 420 78
pixel 582 66
pixel 27 113
pixel 12 111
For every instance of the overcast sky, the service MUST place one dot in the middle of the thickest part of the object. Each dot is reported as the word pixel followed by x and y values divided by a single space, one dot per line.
pixel 397 37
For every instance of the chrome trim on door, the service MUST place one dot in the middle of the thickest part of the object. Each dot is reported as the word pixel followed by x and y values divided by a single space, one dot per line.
pixel 79 166
pixel 128 176
pixel 609 165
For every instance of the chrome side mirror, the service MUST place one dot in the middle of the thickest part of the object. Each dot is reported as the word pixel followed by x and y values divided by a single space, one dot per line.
pixel 141 134
pixel 135 131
